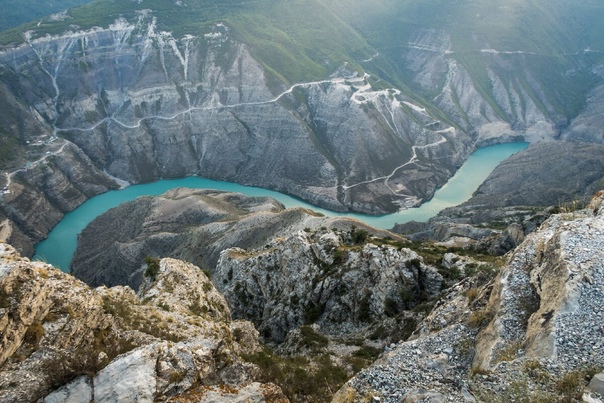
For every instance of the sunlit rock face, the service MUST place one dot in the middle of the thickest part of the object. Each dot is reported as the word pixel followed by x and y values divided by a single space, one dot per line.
pixel 110 344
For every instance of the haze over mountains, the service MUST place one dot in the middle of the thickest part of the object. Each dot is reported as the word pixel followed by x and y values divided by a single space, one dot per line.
pixel 17 13
pixel 349 105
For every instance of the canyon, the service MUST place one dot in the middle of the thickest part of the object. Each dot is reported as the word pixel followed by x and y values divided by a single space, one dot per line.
pixel 136 103
pixel 205 295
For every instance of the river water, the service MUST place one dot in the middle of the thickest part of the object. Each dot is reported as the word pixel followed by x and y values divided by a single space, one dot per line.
pixel 60 245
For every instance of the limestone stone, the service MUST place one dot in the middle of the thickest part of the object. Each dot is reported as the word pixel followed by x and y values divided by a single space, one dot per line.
pixel 597 383
pixel 312 277
pixel 175 334
pixel 531 326
pixel 77 391
pixel 128 378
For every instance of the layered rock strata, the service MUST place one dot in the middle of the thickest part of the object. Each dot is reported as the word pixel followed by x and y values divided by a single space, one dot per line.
pixel 39 195
pixel 142 104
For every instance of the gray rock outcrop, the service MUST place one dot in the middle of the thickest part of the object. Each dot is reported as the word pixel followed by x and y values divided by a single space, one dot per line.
pixel 597 384
pixel 77 391
pixel 533 333
pixel 314 277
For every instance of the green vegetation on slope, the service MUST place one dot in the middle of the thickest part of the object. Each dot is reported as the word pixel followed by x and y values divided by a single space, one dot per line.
pixel 307 40
pixel 19 12
pixel 10 149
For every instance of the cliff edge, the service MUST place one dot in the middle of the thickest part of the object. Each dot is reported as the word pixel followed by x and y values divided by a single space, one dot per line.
pixel 174 340
pixel 532 334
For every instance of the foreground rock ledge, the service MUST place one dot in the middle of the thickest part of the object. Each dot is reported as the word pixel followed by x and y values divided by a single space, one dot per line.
pixel 63 341
pixel 535 333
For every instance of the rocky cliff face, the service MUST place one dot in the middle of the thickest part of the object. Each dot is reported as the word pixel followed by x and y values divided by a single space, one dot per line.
pixel 315 277
pixel 40 194
pixel 588 125
pixel 63 341
pixel 146 105
pixel 142 104
pixel 507 112
pixel 194 225
pixel 533 334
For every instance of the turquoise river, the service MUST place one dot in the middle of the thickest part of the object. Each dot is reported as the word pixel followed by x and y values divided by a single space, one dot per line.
pixel 60 245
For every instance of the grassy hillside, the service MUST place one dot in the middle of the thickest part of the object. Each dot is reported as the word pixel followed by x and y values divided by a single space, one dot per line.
pixel 19 12
pixel 303 40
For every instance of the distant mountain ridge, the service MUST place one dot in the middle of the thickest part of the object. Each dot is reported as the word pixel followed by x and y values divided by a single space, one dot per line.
pixel 375 118
pixel 23 11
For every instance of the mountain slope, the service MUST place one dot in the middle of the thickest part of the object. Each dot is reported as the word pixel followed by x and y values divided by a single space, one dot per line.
pixel 372 119
pixel 532 334
pixel 16 13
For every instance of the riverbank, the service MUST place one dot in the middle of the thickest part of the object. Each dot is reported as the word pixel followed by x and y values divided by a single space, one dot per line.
pixel 61 243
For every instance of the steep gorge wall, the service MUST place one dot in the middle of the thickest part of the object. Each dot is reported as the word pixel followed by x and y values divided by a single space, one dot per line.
pixel 143 105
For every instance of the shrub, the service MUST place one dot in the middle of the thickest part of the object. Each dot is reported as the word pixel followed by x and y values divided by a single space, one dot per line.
pixel 471 294
pixel 312 312
pixel 486 273
pixel 300 379
pixel 453 273
pixel 339 256
pixel 4 299
pixel 534 369
pixel 414 264
pixel 359 236
pixel 34 334
pixel 152 267
pixel 312 339
pixel 509 352
pixel 367 353
pixel 238 334
pixel 571 386
pixel 365 307
pixel 176 377
pixel 406 295
pixel 480 318
pixel 391 307
pixel 197 309
pixel 424 307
